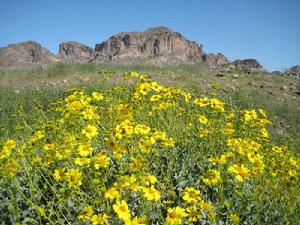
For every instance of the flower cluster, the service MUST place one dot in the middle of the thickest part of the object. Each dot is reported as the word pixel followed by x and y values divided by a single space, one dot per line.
pixel 150 154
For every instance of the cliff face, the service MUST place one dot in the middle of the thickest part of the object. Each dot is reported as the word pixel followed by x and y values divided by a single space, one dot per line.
pixel 75 52
pixel 24 54
pixel 155 43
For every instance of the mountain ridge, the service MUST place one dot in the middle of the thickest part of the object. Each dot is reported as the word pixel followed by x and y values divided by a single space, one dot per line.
pixel 155 45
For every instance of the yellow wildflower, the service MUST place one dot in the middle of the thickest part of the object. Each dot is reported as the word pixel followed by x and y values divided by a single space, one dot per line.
pixel 121 208
pixel 48 147
pixel 144 88
pixel 203 132
pixel 125 129
pixel 101 161
pixel 142 129
pixel 87 213
pixel 131 182
pixel 202 102
pixel 136 163
pixel 206 206
pixel 97 96
pixel 85 149
pixel 111 142
pixel 218 161
pixel 10 144
pixel 212 177
pixel 82 161
pixel 5 153
pixel 90 131
pixel 112 193
pixel 249 115
pixel 149 179
pixel 193 214
pixel 155 98
pixel 217 105
pixel 175 215
pixel 59 174
pixel 169 142
pixel 234 218
pixel 74 178
pixel 89 114
pixel 37 136
pixel 156 87
pixel 119 151
pixel 228 129
pixel 136 221
pixel 241 172
pixel 203 120
pixel 10 167
pixel 159 135
pixel 191 195
pixel 264 133
pixel 99 219
pixel 187 96
pixel 151 193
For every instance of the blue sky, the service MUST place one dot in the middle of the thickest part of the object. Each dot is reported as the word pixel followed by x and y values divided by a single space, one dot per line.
pixel 268 30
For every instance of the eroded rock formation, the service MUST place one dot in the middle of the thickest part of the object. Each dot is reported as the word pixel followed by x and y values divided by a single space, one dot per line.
pixel 250 64
pixel 160 43
pixel 215 61
pixel 24 54
pixel 76 52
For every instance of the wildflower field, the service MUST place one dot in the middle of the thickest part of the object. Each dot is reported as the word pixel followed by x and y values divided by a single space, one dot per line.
pixel 145 153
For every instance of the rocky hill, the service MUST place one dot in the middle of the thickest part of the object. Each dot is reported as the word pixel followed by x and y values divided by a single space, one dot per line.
pixel 24 54
pixel 161 44
pixel 158 46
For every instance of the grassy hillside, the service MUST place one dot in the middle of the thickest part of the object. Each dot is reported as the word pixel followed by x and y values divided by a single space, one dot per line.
pixel 37 87
pixel 181 146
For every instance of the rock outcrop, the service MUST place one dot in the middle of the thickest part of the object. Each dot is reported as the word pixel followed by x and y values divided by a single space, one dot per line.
pixel 294 72
pixel 215 61
pixel 159 44
pixel 252 65
pixel 76 52
pixel 26 53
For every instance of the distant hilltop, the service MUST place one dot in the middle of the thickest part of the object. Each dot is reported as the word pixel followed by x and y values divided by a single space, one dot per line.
pixel 158 46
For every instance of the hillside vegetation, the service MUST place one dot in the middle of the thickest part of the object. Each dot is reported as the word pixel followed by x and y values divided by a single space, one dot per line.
pixel 99 144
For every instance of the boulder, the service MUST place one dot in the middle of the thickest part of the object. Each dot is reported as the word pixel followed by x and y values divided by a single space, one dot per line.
pixel 28 53
pixel 76 52
pixel 158 45
pixel 215 61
